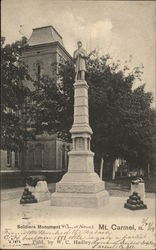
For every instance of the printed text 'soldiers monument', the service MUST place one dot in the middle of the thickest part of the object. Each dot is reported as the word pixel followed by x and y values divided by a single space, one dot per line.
pixel 80 186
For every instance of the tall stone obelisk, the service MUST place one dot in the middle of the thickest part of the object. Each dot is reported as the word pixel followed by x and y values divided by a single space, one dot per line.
pixel 80 186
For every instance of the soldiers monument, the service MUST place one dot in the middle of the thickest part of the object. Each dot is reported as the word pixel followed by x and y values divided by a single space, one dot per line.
pixel 80 186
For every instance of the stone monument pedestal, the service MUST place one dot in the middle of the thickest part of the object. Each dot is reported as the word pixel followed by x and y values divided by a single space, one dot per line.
pixel 140 189
pixel 40 191
pixel 80 186
pixel 80 190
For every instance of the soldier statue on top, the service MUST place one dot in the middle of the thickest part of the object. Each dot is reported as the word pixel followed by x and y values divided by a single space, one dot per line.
pixel 79 57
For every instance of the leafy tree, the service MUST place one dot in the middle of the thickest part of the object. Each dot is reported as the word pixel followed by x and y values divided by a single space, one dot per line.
pixel 14 94
pixel 53 103
pixel 121 118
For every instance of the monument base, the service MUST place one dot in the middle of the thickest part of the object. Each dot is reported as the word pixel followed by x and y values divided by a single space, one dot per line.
pixel 80 190
pixel 94 200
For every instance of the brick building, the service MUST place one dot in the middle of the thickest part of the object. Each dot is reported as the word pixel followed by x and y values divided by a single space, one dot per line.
pixel 45 49
pixel 46 154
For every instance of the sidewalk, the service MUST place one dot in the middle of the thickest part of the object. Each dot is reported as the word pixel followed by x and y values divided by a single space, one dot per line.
pixel 43 226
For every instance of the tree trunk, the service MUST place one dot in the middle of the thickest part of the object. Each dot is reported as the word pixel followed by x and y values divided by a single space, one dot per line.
pixel 148 171
pixel 101 168
pixel 113 172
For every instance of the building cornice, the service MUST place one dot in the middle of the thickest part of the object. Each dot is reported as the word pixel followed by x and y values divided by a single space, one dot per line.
pixel 53 44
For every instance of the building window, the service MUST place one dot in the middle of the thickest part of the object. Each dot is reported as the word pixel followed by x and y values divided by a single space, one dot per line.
pixel 38 69
pixel 38 72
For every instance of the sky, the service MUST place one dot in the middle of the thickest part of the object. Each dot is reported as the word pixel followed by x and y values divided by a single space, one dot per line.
pixel 120 28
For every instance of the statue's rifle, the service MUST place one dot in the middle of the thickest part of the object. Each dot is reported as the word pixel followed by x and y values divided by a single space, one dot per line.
pixel 92 53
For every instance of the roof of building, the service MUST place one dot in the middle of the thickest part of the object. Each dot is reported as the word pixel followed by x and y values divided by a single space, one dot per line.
pixel 44 35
